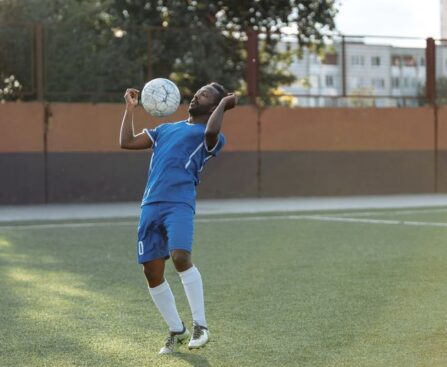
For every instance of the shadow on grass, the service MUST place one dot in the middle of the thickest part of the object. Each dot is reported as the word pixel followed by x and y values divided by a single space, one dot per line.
pixel 195 360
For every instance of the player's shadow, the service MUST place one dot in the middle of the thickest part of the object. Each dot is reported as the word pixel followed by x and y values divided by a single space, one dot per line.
pixel 195 360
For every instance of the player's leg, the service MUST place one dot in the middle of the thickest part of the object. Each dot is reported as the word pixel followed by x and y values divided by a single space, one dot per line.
pixel 163 298
pixel 161 294
pixel 154 272
pixel 193 286
pixel 179 223
pixel 152 254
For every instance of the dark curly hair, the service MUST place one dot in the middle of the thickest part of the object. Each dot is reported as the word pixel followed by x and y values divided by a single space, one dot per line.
pixel 221 91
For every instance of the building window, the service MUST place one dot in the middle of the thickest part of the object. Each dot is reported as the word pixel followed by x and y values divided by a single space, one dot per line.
pixel 422 63
pixel 329 80
pixel 378 83
pixel 330 59
pixel 409 60
pixel 395 61
pixel 395 82
pixel 357 60
pixel 375 60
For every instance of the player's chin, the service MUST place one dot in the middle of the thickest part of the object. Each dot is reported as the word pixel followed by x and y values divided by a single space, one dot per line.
pixel 192 110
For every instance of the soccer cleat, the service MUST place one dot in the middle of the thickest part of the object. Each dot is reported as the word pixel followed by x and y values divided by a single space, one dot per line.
pixel 174 339
pixel 200 337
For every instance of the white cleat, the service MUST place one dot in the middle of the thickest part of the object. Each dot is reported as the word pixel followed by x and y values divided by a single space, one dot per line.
pixel 174 340
pixel 200 337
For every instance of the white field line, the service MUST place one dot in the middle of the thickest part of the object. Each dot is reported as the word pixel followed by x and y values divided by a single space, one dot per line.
pixel 376 221
pixel 321 218
pixel 391 211
pixel 67 225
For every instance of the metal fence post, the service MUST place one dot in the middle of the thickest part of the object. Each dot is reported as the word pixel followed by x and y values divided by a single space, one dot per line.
pixel 252 65
pixel 39 61
pixel 149 54
pixel 430 62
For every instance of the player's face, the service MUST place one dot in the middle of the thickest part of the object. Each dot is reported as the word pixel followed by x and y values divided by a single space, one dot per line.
pixel 203 101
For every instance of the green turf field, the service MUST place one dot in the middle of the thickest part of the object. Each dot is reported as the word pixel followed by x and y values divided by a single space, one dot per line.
pixel 369 289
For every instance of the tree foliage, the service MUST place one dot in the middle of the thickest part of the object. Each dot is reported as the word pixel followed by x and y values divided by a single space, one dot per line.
pixel 98 48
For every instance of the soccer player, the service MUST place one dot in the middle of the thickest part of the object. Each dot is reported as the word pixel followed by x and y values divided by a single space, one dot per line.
pixel 180 151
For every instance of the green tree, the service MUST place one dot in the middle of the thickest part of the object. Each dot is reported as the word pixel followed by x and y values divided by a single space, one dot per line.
pixel 101 46
pixel 199 41
pixel 84 59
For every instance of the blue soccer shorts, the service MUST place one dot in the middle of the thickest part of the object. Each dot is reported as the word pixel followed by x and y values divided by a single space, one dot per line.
pixel 164 227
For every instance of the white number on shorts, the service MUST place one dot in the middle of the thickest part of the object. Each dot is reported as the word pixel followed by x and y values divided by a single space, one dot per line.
pixel 140 248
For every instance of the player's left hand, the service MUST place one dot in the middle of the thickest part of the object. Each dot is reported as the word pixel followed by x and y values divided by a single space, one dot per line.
pixel 230 101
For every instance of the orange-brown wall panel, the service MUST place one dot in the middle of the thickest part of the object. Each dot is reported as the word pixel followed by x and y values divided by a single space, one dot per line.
pixel 442 153
pixel 21 127
pixel 442 128
pixel 347 129
pixel 241 130
pixel 75 127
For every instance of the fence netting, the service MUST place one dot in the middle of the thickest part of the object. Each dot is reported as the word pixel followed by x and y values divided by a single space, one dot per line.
pixel 95 66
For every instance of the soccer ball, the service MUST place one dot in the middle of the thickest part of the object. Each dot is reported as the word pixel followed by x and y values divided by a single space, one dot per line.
pixel 160 97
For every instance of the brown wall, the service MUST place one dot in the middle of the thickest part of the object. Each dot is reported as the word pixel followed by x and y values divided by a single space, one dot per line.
pixel 441 156
pixel 276 152
pixel 336 151
pixel 21 127
pixel 22 161
pixel 347 129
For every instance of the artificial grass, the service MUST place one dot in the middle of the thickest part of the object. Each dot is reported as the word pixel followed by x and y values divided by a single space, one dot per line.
pixel 278 293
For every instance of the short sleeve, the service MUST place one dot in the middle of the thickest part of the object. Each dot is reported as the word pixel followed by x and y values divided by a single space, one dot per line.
pixel 154 133
pixel 218 147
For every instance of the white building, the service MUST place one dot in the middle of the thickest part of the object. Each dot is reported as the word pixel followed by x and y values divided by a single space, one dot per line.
pixel 443 19
pixel 376 75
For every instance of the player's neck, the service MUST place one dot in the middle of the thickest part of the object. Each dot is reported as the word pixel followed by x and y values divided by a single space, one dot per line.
pixel 202 119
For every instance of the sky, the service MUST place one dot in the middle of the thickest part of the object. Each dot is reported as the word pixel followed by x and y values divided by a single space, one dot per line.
pixel 409 18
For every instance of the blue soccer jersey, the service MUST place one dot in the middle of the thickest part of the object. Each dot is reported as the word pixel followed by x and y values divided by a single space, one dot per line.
pixel 179 155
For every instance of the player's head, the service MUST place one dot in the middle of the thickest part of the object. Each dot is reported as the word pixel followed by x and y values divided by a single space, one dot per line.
pixel 206 99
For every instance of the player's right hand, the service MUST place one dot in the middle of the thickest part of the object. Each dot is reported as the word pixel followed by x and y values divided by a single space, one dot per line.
pixel 230 101
pixel 131 97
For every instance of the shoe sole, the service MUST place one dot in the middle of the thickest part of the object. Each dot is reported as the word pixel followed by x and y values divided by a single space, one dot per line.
pixel 181 341
pixel 200 347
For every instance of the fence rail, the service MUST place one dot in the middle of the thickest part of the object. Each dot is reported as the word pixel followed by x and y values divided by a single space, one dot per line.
pixel 45 62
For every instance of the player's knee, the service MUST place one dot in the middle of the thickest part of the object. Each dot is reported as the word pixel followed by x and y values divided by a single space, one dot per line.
pixel 151 275
pixel 181 260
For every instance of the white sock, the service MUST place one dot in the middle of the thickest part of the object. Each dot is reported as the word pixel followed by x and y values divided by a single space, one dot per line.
pixel 192 282
pixel 165 302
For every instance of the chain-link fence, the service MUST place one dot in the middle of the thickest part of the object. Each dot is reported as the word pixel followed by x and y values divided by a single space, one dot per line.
pixel 17 57
pixel 65 63
pixel 441 71
pixel 359 71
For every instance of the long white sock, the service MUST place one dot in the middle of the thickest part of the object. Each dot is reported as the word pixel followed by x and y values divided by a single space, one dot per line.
pixel 165 302
pixel 192 282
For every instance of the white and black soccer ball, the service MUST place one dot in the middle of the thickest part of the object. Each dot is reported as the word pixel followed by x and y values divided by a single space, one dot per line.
pixel 160 97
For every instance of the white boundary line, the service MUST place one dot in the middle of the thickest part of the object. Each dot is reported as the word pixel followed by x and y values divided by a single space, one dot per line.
pixel 67 225
pixel 376 221
pixel 322 218
pixel 391 211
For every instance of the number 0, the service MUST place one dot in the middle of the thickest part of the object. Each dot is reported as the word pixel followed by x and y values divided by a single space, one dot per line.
pixel 140 248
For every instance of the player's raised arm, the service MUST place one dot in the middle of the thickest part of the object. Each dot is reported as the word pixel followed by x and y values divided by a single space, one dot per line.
pixel 128 139
pixel 215 121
